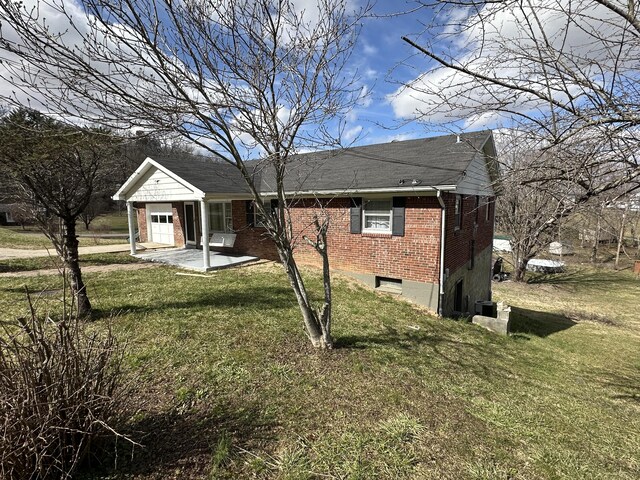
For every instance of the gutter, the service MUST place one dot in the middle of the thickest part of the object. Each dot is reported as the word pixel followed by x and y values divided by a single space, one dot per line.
pixel 442 238
pixel 363 191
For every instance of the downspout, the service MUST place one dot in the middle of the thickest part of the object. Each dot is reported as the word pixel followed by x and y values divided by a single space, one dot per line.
pixel 442 238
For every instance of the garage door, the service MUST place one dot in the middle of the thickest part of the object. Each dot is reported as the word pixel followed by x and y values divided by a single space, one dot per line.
pixel 161 222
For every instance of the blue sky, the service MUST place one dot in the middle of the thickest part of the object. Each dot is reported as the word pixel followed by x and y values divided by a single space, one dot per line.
pixel 381 57
pixel 385 61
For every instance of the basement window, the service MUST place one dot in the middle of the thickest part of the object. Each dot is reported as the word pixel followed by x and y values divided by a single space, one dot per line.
pixel 391 285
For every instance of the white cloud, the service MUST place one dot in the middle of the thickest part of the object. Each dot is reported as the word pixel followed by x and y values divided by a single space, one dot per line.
pixel 442 95
pixel 369 49
pixel 352 133
pixel 364 98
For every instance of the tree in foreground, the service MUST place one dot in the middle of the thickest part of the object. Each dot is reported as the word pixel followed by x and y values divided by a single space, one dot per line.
pixel 240 79
pixel 55 169
pixel 564 75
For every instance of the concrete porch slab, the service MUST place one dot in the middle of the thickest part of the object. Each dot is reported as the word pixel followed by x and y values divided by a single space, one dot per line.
pixel 191 258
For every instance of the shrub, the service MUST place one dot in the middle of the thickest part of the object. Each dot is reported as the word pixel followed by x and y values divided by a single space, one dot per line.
pixel 59 384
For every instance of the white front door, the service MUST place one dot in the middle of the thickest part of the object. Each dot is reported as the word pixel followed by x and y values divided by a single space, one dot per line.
pixel 160 223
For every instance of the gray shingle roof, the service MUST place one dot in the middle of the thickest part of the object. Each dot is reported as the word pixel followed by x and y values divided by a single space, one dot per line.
pixel 205 174
pixel 435 161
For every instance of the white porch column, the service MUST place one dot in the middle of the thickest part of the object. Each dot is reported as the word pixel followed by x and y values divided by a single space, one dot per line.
pixel 204 221
pixel 132 227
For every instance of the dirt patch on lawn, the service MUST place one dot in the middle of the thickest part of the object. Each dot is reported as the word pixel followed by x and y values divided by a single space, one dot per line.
pixel 88 269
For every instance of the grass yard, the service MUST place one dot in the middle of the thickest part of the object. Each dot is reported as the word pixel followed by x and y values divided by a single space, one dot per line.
pixel 45 263
pixel 32 239
pixel 225 384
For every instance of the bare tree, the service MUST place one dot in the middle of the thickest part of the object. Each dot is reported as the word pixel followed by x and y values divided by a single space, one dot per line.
pixel 239 79
pixel 529 213
pixel 563 72
pixel 54 168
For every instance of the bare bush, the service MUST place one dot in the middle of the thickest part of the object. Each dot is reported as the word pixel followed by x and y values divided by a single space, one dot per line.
pixel 59 392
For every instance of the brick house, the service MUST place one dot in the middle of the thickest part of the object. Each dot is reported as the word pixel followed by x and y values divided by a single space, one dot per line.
pixel 414 217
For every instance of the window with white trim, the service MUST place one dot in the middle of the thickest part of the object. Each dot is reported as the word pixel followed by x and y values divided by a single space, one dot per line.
pixel 377 216
pixel 220 219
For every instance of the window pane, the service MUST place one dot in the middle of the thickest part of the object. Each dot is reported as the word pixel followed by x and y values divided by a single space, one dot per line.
pixel 377 222
pixel 216 218
pixel 154 218
pixel 163 218
pixel 170 218
pixel 377 215
pixel 378 206
pixel 228 219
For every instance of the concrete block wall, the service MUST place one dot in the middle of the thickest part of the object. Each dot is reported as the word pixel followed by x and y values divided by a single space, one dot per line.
pixel 476 284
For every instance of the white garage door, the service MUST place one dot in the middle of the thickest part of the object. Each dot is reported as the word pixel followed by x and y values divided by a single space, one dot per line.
pixel 161 223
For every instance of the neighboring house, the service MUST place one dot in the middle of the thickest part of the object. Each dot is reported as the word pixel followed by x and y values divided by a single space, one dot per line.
pixel 415 217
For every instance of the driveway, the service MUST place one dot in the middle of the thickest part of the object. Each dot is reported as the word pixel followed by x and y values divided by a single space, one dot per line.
pixel 10 253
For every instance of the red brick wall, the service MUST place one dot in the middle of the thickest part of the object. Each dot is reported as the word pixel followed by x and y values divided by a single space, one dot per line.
pixel 249 240
pixel 457 241
pixel 414 256
pixel 177 209
pixel 141 213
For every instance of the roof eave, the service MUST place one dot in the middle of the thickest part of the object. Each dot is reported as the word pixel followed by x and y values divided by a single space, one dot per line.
pixel 364 191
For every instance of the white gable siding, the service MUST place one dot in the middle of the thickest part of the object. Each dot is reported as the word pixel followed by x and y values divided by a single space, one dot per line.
pixel 477 180
pixel 156 185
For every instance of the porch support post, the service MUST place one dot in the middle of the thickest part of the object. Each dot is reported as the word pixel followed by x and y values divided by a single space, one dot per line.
pixel 132 227
pixel 204 219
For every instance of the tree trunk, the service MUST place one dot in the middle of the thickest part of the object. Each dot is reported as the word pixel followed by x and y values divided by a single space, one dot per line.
pixel 520 271
pixel 596 241
pixel 316 327
pixel 72 264
pixel 521 256
pixel 621 236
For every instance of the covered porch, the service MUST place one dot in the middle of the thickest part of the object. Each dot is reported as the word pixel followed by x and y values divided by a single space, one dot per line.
pixel 169 209
pixel 191 259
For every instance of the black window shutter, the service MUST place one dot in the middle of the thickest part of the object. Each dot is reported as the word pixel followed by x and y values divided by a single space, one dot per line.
pixel 398 216
pixel 356 215
pixel 274 206
pixel 250 215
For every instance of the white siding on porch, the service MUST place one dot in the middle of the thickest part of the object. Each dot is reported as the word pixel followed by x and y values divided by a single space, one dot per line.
pixel 156 185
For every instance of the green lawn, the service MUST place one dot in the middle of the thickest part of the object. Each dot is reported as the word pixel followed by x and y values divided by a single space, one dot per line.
pixel 32 239
pixel 45 263
pixel 226 386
